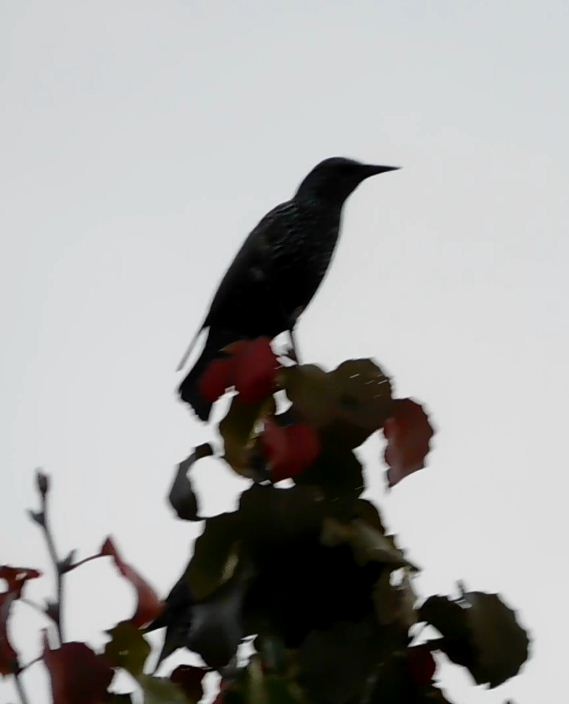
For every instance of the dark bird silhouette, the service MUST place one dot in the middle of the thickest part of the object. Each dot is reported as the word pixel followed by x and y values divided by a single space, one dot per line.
pixel 279 267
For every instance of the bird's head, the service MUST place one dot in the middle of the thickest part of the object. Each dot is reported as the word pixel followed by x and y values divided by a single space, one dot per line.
pixel 332 180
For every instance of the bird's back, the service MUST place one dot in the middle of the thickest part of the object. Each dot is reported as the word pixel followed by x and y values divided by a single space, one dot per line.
pixel 277 270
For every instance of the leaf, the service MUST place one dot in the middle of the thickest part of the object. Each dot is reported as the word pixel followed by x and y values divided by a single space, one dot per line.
pixel 299 584
pixel 336 471
pixel 237 430
pixel 215 555
pixel 421 665
pixel 479 632
pixel 217 628
pixel 336 663
pixel 256 368
pixel 149 605
pixel 363 392
pixel 272 516
pixel 159 690
pixel 177 617
pixel 16 577
pixel 290 450
pixel 8 656
pixel 251 366
pixel 408 434
pixel 309 389
pixel 189 679
pixel 181 496
pixel 348 403
pixel 127 648
pixel 217 378
pixel 395 603
pixel 78 675
pixel 367 543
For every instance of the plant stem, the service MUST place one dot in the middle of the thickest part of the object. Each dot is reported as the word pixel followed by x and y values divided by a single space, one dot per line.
pixel 34 606
pixel 20 689
pixel 56 613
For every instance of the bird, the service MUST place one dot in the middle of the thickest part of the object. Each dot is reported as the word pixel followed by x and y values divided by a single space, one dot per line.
pixel 278 269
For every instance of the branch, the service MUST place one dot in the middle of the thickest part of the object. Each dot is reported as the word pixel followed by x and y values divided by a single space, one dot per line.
pixel 20 689
pixel 41 517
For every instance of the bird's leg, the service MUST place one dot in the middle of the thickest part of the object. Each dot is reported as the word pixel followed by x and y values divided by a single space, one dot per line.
pixel 293 354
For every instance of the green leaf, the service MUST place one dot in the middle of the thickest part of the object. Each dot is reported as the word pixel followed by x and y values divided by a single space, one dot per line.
pixel 238 432
pixel 217 625
pixel 158 690
pixel 367 543
pixel 395 604
pixel 337 471
pixel 363 392
pixel 181 496
pixel 335 663
pixel 347 404
pixel 273 515
pixel 127 648
pixel 479 632
pixel 215 555
pixel 309 389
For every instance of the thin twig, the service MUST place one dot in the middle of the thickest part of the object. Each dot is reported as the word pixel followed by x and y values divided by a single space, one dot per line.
pixel 42 519
pixel 33 605
pixel 82 562
pixel 58 575
pixel 20 689
pixel 32 662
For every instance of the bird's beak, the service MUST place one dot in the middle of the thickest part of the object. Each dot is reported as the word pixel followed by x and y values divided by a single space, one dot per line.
pixel 372 169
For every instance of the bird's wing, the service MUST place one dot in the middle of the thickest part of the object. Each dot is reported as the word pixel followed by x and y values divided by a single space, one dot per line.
pixel 251 272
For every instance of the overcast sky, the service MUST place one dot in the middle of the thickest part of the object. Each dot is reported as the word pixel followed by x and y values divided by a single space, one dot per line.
pixel 139 143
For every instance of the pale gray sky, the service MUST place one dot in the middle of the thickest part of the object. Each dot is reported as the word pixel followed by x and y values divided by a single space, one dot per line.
pixel 141 141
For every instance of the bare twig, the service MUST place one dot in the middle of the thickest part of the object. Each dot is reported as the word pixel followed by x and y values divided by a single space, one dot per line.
pixel 55 609
pixel 20 689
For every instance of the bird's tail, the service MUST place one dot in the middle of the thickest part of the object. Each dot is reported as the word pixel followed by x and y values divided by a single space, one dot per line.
pixel 189 388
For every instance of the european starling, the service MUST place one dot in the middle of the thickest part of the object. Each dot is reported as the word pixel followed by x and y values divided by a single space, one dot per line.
pixel 279 267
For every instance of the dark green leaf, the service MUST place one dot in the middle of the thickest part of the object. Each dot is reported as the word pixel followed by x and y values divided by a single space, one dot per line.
pixel 238 431
pixel 181 496
pixel 363 392
pixel 479 632
pixel 270 515
pixel 309 389
pixel 217 625
pixel 189 679
pixel 127 648
pixel 215 555
pixel 335 664
pixel 367 543
pixel 158 690
pixel 337 471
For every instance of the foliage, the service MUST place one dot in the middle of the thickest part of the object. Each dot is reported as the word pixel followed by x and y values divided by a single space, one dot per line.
pixel 305 571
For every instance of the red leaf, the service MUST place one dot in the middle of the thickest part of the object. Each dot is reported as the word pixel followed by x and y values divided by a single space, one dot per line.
pixel 251 367
pixel 290 450
pixel 421 665
pixel 256 368
pixel 8 656
pixel 189 680
pixel 78 675
pixel 149 605
pixel 408 433
pixel 16 577
pixel 217 378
